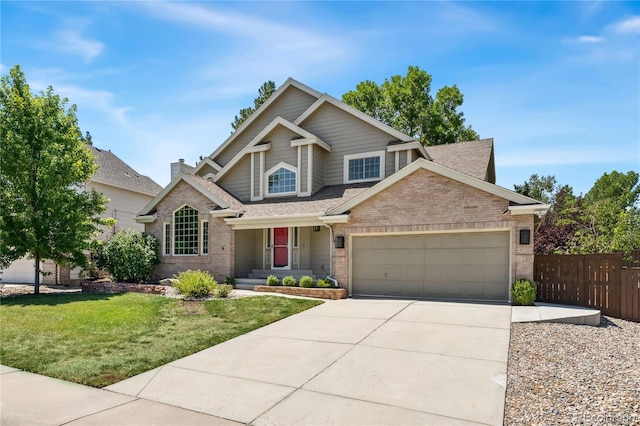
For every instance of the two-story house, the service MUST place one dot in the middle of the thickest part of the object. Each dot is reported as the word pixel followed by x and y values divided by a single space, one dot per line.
pixel 310 185
pixel 127 191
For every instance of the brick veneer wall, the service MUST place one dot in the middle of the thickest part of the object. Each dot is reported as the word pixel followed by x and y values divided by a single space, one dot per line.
pixel 319 293
pixel 428 202
pixel 219 261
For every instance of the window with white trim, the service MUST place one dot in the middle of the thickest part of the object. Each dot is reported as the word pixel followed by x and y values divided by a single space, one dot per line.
pixel 365 167
pixel 281 180
pixel 205 237
pixel 185 231
pixel 167 239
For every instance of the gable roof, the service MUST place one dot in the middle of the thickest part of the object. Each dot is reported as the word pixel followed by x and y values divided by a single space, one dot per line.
pixel 278 121
pixel 290 82
pixel 207 188
pixel 115 172
pixel 444 171
pixel 473 158
pixel 354 112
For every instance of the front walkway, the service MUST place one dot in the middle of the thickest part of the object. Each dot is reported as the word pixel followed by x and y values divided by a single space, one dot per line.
pixel 343 362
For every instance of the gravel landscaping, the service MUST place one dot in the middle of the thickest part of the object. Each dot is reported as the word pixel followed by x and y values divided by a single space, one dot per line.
pixel 574 374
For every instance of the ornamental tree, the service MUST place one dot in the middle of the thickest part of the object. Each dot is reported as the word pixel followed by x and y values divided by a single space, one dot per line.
pixel 44 211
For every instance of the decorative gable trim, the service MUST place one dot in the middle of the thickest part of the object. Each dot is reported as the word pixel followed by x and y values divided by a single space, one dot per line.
pixel 358 114
pixel 444 171
pixel 189 181
pixel 217 167
pixel 288 83
pixel 278 121
pixel 311 141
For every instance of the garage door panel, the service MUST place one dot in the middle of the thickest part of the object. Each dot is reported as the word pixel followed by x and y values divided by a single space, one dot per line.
pixel 390 272
pixel 461 265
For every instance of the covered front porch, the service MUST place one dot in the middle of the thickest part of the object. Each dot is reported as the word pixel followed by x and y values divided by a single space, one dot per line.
pixel 281 251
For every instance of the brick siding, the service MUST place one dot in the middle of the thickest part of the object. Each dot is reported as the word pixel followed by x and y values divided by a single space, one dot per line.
pixel 428 202
pixel 219 261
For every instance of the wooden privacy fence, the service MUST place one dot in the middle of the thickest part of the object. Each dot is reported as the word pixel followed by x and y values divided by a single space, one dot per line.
pixel 596 281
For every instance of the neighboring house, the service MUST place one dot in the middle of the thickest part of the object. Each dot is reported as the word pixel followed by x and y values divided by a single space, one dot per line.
pixel 128 192
pixel 309 185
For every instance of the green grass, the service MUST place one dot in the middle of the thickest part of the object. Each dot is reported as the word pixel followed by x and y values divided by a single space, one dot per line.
pixel 100 339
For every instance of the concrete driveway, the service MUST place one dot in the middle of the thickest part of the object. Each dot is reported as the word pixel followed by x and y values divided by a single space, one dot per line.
pixel 348 362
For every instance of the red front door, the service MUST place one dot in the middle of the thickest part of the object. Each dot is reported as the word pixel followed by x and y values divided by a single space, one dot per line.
pixel 280 247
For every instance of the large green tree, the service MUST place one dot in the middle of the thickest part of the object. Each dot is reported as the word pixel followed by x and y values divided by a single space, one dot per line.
pixel 610 214
pixel 264 92
pixel 406 104
pixel 44 212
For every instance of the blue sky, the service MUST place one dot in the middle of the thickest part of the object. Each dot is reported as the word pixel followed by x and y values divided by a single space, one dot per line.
pixel 557 84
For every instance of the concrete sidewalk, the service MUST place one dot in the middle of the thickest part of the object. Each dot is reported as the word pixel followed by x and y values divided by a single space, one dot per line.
pixel 344 362
pixel 549 312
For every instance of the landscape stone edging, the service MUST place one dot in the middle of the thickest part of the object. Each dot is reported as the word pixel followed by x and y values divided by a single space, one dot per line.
pixel 107 287
pixel 320 293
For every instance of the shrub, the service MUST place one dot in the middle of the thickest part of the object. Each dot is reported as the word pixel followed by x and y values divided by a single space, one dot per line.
pixel 289 281
pixel 229 280
pixel 273 280
pixel 324 283
pixel 523 292
pixel 195 283
pixel 223 291
pixel 306 281
pixel 129 256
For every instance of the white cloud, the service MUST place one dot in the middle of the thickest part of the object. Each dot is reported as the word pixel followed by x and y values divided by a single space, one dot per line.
pixel 72 42
pixel 628 26
pixel 257 49
pixel 98 100
pixel 590 39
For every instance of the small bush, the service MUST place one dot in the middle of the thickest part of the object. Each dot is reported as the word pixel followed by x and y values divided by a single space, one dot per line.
pixel 306 281
pixel 273 280
pixel 324 283
pixel 523 292
pixel 229 280
pixel 289 281
pixel 195 283
pixel 223 291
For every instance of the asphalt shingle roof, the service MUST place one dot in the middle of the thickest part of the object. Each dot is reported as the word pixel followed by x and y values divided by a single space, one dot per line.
pixel 471 158
pixel 112 170
pixel 320 202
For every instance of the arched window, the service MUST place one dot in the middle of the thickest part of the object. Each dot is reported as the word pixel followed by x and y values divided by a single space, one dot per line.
pixel 185 231
pixel 281 181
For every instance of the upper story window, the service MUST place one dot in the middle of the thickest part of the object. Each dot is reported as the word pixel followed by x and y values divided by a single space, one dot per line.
pixel 185 231
pixel 365 167
pixel 281 180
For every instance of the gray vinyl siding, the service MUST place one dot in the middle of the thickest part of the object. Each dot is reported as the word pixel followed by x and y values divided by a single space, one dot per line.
pixel 303 168
pixel 347 135
pixel 289 106
pixel 245 253
pixel 318 168
pixel 319 252
pixel 281 149
pixel 236 181
pixel 305 247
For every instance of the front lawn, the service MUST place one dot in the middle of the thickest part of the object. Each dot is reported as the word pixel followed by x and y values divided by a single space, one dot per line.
pixel 100 339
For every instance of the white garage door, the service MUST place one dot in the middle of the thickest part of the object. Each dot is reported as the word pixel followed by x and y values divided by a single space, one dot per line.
pixel 22 271
pixel 451 266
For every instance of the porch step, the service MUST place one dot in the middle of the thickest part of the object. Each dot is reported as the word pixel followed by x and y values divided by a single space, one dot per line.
pixel 248 283
pixel 262 274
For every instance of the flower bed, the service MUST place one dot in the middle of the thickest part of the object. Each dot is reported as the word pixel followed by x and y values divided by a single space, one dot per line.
pixel 334 293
